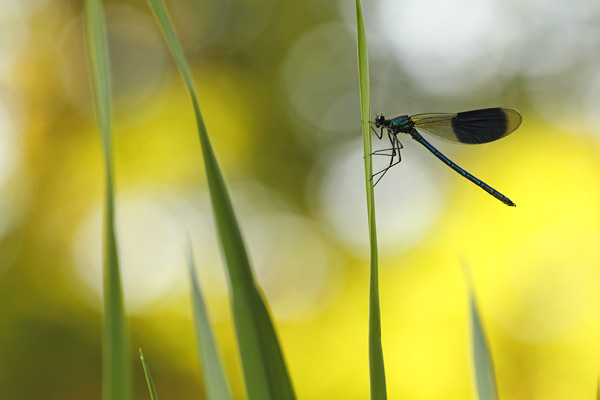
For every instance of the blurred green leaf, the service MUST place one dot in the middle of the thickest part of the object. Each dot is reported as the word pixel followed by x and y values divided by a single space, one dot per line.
pixel 212 369
pixel 149 380
pixel 265 371
pixel 116 366
pixel 482 358
pixel 376 365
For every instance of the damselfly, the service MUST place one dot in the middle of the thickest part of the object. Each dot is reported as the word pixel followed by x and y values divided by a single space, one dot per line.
pixel 469 127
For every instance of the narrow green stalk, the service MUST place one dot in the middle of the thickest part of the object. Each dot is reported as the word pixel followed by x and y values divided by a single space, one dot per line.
pixel 376 365
pixel 148 376
pixel 212 368
pixel 116 366
pixel 485 380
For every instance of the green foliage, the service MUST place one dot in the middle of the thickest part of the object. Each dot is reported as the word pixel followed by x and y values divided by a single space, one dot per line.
pixel 376 365
pixel 117 378
pixel 148 376
pixel 265 371
pixel 212 369
pixel 482 357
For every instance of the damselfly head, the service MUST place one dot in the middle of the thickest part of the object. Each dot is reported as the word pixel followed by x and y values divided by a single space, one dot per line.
pixel 380 120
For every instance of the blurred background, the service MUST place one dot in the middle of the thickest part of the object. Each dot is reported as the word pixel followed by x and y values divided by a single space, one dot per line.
pixel 279 93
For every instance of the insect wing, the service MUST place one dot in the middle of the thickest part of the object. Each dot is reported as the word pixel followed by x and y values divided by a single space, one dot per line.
pixel 470 127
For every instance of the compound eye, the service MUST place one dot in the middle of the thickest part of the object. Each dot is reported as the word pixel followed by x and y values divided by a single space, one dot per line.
pixel 380 118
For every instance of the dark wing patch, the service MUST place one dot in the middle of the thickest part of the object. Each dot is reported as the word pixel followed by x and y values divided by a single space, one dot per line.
pixel 487 125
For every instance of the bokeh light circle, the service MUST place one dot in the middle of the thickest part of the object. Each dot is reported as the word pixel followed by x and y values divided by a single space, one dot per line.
pixel 407 199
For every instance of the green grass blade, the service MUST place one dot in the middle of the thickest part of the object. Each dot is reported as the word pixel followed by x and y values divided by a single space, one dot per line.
pixel 482 358
pixel 149 380
pixel 212 369
pixel 116 366
pixel 264 369
pixel 376 365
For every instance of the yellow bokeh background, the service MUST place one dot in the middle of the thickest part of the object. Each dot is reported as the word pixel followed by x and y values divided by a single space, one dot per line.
pixel 278 90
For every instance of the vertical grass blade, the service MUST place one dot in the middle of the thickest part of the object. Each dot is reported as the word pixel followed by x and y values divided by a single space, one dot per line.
pixel 264 369
pixel 376 365
pixel 485 380
pixel 148 376
pixel 116 367
pixel 212 369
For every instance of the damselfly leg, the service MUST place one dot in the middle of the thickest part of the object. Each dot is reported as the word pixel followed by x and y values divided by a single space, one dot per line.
pixel 396 146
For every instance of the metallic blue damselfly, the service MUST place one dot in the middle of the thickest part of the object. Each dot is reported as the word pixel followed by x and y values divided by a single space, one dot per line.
pixel 469 127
